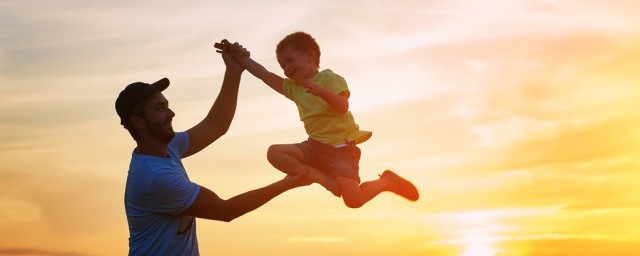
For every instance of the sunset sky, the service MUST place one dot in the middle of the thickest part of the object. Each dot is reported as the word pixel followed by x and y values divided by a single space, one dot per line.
pixel 519 121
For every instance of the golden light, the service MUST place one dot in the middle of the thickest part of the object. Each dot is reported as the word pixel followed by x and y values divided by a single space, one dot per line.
pixel 479 245
pixel 483 232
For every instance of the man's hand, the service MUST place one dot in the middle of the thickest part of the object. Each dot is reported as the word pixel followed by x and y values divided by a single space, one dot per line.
pixel 242 56
pixel 299 180
pixel 235 50
pixel 229 54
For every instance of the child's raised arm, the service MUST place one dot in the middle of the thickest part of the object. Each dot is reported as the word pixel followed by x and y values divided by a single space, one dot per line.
pixel 241 55
pixel 272 80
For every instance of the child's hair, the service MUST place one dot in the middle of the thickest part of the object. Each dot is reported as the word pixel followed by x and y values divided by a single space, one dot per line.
pixel 300 41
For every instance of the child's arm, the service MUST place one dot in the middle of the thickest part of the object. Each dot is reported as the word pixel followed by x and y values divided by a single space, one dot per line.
pixel 339 102
pixel 242 56
pixel 272 80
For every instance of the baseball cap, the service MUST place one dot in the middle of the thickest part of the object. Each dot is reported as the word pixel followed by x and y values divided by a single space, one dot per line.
pixel 136 93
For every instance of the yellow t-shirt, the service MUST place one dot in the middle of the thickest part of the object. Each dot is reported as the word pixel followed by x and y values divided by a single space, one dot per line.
pixel 321 122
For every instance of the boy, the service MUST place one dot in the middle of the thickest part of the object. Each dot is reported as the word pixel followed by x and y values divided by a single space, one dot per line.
pixel 330 155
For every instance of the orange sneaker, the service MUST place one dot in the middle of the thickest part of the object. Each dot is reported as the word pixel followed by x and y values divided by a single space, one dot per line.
pixel 400 186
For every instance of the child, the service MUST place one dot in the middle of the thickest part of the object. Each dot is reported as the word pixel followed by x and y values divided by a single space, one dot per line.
pixel 330 155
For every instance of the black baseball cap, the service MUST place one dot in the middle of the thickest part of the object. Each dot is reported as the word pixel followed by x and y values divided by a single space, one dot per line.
pixel 136 93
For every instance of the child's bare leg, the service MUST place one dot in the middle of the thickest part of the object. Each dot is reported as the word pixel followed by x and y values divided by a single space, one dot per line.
pixel 288 158
pixel 356 195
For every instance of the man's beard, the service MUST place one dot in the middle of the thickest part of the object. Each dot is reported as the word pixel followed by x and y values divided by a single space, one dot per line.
pixel 158 132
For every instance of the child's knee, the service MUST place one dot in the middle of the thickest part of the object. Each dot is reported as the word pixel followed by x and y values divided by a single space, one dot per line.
pixel 273 152
pixel 272 149
pixel 352 202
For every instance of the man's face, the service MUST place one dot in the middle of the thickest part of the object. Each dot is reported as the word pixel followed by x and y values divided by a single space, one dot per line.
pixel 158 117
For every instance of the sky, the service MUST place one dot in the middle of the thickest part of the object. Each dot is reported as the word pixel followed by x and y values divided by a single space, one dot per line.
pixel 517 120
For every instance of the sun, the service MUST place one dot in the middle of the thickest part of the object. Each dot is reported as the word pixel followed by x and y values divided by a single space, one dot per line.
pixel 478 250
pixel 478 246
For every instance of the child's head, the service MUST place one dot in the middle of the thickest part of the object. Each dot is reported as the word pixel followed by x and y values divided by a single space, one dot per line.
pixel 297 50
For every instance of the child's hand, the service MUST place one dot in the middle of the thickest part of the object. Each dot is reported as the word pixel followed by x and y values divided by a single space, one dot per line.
pixel 234 50
pixel 225 48
pixel 238 52
pixel 311 87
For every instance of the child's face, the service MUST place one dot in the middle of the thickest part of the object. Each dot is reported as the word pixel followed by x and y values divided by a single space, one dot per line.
pixel 297 65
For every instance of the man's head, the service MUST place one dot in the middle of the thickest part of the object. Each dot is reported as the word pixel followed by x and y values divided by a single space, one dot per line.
pixel 297 53
pixel 142 106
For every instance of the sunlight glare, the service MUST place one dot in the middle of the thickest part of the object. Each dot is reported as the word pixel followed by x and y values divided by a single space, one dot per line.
pixel 478 246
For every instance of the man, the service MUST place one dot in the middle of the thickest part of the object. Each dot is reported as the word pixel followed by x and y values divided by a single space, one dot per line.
pixel 161 202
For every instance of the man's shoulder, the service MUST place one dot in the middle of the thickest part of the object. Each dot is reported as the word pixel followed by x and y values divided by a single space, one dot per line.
pixel 148 166
pixel 179 144
pixel 179 139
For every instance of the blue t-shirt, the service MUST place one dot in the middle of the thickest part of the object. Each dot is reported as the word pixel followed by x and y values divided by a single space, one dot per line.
pixel 158 191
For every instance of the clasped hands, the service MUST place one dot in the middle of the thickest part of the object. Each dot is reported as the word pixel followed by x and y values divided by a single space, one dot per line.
pixel 235 50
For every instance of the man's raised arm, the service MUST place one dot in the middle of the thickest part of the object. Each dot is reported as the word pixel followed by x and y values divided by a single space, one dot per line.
pixel 219 118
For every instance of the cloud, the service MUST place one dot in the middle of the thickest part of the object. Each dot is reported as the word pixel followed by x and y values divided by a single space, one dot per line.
pixel 608 139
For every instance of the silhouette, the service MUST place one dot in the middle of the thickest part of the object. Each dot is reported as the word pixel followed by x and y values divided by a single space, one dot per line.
pixel 161 202
pixel 330 155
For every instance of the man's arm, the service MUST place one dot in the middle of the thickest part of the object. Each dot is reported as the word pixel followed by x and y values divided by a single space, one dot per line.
pixel 208 205
pixel 218 120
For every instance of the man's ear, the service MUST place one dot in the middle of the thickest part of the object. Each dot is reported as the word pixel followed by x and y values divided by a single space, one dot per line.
pixel 137 122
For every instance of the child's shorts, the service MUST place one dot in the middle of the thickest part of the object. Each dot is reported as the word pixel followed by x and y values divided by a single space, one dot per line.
pixel 336 162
